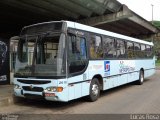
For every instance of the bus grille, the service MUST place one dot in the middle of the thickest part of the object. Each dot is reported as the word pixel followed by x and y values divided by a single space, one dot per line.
pixel 33 81
pixel 34 89
pixel 31 96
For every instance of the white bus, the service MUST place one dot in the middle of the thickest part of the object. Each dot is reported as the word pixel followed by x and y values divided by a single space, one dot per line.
pixel 63 60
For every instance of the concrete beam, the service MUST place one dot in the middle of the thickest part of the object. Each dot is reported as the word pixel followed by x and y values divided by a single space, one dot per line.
pixel 125 13
pixel 67 5
pixel 95 7
pixel 32 9
pixel 116 29
pixel 50 8
pixel 142 22
pixel 112 5
pixel 94 21
pixel 136 27
pixel 120 25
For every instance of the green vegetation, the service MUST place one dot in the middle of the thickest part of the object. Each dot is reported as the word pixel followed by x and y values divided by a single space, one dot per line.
pixel 158 63
pixel 157 44
pixel 156 23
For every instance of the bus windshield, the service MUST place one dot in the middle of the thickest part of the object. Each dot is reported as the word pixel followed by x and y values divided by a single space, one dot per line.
pixel 41 55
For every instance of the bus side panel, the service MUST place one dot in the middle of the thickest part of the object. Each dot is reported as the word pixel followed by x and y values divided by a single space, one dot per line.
pixel 122 79
pixel 148 73
pixel 71 92
pixel 85 88
pixel 148 65
pixel 78 86
pixel 109 82
pixel 115 81
pixel 133 76
pixel 78 90
pixel 74 87
pixel 96 67
pixel 113 76
pixel 119 72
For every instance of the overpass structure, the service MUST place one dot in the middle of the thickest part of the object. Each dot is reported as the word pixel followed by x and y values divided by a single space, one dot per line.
pixel 106 14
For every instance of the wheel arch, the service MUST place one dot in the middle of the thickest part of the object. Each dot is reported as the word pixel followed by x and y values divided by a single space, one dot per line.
pixel 100 80
pixel 142 69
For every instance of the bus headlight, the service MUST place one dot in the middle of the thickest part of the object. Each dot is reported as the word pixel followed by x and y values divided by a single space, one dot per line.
pixel 54 89
pixel 17 86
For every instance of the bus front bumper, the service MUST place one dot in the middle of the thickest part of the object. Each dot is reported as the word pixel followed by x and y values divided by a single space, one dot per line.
pixel 50 96
pixel 40 92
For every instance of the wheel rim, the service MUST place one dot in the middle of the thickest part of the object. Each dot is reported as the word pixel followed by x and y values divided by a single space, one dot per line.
pixel 95 89
pixel 142 78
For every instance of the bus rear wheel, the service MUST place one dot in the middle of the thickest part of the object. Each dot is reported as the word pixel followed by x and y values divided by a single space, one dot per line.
pixel 141 78
pixel 94 90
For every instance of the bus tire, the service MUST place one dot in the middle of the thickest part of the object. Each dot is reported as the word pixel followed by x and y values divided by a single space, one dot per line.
pixel 94 91
pixel 141 78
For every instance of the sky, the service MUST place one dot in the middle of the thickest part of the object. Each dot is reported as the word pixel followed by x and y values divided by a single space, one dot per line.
pixel 144 8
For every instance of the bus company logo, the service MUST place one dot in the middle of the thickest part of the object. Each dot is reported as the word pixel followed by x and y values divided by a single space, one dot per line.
pixel 107 66
pixel 126 66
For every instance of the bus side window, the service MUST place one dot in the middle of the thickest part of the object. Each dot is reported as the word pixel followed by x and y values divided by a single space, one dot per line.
pixel 137 50
pixel 121 53
pixel 130 49
pixel 109 47
pixel 152 52
pixel 143 47
pixel 96 51
pixel 148 51
pixel 77 54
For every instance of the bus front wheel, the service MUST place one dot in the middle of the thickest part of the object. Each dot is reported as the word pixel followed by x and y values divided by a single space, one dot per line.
pixel 94 90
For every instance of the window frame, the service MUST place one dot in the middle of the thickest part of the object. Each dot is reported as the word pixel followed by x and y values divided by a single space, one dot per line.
pixel 130 58
pixel 137 52
pixel 126 51
pixel 85 36
pixel 115 44
pixel 89 46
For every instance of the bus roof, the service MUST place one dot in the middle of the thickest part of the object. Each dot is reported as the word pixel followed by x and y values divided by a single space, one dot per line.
pixel 95 30
pixel 104 32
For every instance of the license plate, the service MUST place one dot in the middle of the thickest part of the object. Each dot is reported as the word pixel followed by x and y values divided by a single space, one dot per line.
pixel 49 94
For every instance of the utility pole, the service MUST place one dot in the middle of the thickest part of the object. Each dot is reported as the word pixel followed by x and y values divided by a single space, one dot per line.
pixel 152 12
pixel 152 21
